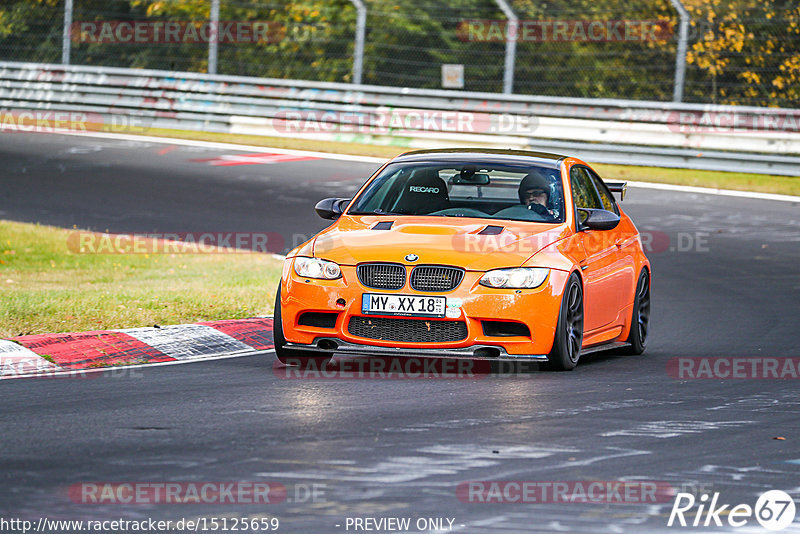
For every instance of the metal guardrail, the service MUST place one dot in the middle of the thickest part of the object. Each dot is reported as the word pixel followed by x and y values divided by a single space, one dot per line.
pixel 695 136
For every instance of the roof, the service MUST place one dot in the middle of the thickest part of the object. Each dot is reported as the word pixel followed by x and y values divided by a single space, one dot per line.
pixel 525 157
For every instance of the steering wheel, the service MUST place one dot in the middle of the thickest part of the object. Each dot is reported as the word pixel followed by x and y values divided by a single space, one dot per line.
pixel 543 211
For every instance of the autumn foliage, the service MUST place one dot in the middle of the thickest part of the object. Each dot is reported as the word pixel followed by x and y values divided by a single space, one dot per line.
pixel 743 52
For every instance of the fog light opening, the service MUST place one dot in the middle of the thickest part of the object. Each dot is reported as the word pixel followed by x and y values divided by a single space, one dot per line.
pixel 505 329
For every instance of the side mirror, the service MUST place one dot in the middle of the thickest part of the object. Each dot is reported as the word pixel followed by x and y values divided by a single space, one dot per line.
pixel 595 219
pixel 331 208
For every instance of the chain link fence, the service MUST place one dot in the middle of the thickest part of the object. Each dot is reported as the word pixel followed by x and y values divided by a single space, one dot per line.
pixel 739 52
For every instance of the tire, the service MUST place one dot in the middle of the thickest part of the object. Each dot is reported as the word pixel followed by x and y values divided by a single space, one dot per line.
pixel 569 331
pixel 297 358
pixel 640 319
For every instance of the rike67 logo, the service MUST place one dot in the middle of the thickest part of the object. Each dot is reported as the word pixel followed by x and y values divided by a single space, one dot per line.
pixel 774 510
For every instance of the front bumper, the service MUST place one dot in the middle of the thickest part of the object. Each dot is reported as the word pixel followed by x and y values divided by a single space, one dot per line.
pixel 475 352
pixel 537 308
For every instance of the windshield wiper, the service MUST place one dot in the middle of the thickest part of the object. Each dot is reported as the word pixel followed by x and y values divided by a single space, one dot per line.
pixel 378 211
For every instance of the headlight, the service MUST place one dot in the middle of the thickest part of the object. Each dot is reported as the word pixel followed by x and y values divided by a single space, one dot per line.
pixel 519 278
pixel 316 268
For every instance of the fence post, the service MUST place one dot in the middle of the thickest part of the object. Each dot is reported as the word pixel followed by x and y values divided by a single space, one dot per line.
pixel 66 44
pixel 511 45
pixel 361 30
pixel 213 40
pixel 680 56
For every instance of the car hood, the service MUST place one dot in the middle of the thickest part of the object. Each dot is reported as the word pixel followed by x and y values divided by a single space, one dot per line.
pixel 474 244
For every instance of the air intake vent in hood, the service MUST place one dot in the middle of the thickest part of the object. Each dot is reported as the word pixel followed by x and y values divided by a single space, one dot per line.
pixel 491 230
pixel 383 225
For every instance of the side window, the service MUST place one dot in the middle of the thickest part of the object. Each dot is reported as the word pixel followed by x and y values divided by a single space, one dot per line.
pixel 605 195
pixel 583 192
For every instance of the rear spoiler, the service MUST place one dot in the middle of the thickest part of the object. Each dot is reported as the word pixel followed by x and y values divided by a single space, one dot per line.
pixel 618 187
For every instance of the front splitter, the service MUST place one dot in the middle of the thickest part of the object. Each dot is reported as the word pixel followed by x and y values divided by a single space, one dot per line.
pixel 474 352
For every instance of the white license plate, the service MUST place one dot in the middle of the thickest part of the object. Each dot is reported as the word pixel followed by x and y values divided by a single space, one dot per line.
pixel 403 305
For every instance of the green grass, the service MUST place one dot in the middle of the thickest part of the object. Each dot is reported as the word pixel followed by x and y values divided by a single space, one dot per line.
pixel 764 183
pixel 44 287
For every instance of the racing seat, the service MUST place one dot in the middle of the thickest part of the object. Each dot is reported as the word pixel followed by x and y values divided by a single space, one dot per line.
pixel 424 193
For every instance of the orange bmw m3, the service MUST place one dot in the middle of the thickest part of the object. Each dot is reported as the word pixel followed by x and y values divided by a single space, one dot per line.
pixel 469 253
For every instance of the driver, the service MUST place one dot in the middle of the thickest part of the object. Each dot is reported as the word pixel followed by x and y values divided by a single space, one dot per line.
pixel 534 193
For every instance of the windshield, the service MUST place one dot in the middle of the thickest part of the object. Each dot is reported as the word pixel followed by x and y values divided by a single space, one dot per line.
pixel 502 191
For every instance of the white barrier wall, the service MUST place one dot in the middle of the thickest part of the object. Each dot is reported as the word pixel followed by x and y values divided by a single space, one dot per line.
pixel 744 139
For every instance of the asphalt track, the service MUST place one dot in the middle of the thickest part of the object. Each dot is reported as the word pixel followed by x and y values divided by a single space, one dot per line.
pixel 399 448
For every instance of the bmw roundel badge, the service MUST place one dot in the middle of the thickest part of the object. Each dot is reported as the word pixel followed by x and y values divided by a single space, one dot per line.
pixel 411 257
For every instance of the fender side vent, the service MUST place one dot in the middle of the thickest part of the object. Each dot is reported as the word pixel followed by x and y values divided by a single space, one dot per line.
pixel 491 230
pixel 383 225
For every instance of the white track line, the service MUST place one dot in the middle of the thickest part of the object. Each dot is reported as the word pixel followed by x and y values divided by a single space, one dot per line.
pixel 366 159
pixel 712 191
pixel 225 146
